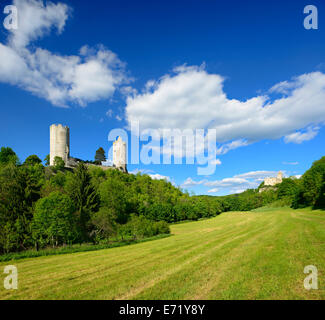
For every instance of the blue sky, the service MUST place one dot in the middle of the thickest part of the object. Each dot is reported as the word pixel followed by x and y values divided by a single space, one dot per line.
pixel 240 49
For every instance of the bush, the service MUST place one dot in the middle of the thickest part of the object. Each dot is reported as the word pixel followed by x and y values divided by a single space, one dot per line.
pixel 139 227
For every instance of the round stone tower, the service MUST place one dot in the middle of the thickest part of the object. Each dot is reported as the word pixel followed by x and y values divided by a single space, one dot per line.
pixel 119 154
pixel 59 143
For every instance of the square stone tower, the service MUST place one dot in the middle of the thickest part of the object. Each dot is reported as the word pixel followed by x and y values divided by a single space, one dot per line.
pixel 119 154
pixel 59 143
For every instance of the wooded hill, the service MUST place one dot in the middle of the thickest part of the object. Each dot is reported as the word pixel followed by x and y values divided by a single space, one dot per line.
pixel 42 205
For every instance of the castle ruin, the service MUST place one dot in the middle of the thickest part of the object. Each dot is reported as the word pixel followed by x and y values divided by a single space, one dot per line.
pixel 60 147
pixel 119 154
pixel 273 181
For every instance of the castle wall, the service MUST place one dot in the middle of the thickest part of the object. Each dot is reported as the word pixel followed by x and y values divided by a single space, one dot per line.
pixel 59 143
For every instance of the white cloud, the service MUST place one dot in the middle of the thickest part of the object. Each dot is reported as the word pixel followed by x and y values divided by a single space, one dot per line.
pixel 230 183
pixel 231 145
pixel 213 190
pixel 283 87
pixel 235 184
pixel 291 163
pixel 153 175
pixel 92 75
pixel 158 176
pixel 257 175
pixel 128 90
pixel 109 113
pixel 300 136
pixel 36 20
pixel 237 191
pixel 143 171
pixel 191 98
pixel 189 182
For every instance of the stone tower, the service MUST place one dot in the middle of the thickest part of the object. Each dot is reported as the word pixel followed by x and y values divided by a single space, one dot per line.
pixel 59 143
pixel 119 154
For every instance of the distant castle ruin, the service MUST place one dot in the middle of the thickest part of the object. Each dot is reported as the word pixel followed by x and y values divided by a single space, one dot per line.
pixel 270 182
pixel 60 147
pixel 273 181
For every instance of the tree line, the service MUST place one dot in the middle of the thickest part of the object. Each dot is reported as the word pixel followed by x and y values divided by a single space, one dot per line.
pixel 44 206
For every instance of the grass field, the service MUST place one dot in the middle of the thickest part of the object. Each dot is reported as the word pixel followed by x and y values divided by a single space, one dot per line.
pixel 253 255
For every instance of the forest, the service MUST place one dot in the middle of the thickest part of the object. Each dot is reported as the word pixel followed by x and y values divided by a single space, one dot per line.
pixel 49 206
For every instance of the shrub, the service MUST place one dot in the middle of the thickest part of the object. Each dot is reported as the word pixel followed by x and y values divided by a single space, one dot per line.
pixel 140 227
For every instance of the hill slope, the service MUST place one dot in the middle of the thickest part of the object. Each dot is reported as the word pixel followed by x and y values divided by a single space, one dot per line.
pixel 252 255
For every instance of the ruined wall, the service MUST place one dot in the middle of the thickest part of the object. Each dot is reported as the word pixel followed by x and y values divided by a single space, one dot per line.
pixel 273 181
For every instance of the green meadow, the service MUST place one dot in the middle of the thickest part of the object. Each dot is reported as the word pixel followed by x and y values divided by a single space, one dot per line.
pixel 237 255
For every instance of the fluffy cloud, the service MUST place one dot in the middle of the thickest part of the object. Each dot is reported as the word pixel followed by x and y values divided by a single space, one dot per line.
pixel 230 183
pixel 36 20
pixel 92 75
pixel 191 98
pixel 189 182
pixel 299 137
pixel 158 176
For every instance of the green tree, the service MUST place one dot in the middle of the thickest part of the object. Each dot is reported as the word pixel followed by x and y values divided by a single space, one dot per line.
pixel 84 195
pixel 105 223
pixel 34 177
pixel 47 160
pixel 58 163
pixel 100 155
pixel 320 201
pixel 7 155
pixel 313 181
pixel 113 196
pixel 54 220
pixel 32 160
pixel 288 188
pixel 15 213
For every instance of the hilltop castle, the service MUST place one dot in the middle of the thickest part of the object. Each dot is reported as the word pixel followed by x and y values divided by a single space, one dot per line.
pixel 60 147
pixel 273 181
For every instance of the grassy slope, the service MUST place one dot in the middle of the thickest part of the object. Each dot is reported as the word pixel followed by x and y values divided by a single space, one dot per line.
pixel 254 255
